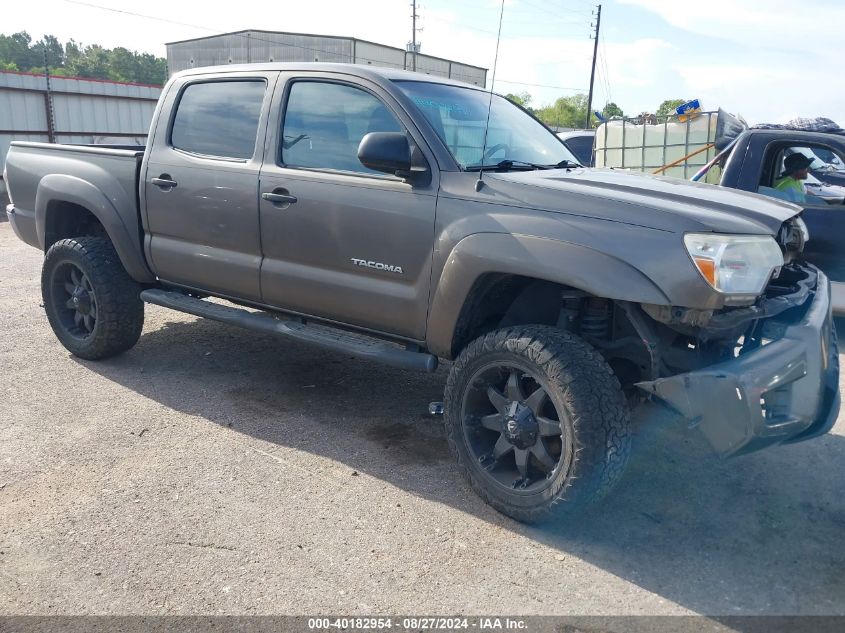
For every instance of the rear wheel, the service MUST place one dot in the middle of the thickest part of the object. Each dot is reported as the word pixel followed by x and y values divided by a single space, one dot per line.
pixel 92 304
pixel 535 417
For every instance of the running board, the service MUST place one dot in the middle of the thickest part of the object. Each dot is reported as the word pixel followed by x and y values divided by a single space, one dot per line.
pixel 325 337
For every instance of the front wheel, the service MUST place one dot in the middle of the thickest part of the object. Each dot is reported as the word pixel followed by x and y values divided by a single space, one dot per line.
pixel 535 417
pixel 93 305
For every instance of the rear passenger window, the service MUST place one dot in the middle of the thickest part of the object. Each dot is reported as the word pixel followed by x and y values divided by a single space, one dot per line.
pixel 218 118
pixel 325 122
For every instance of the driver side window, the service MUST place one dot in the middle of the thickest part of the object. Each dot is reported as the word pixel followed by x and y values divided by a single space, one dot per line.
pixel 325 122
pixel 809 175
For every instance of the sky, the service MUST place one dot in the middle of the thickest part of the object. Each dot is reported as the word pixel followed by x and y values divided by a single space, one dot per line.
pixel 768 60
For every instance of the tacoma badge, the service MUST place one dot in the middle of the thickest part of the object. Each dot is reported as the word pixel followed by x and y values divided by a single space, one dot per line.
pixel 378 266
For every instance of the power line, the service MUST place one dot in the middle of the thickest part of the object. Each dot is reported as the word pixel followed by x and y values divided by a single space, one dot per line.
pixel 480 5
pixel 140 15
pixel 523 83
pixel 485 7
pixel 606 87
pixel 519 83
pixel 604 65
pixel 260 39
pixel 460 24
pixel 602 82
pixel 525 20
pixel 568 59
pixel 212 30
pixel 464 25
pixel 601 75
pixel 587 8
pixel 545 10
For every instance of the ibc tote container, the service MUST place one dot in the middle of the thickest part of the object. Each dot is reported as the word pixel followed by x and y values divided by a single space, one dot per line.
pixel 646 147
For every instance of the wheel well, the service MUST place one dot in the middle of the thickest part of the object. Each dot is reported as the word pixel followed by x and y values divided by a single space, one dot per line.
pixel 498 300
pixel 65 219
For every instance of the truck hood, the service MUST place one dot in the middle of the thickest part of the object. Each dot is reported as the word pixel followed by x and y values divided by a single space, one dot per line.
pixel 634 198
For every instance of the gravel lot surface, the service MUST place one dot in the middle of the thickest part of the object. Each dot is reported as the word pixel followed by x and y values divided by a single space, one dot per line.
pixel 211 470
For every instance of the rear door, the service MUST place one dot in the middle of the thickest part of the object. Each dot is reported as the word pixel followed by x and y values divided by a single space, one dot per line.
pixel 201 184
pixel 355 246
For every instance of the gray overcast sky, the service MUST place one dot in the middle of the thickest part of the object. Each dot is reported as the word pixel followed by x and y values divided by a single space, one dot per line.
pixel 768 60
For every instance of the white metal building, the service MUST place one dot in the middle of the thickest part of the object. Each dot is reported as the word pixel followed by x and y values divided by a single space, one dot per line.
pixel 243 47
pixel 74 110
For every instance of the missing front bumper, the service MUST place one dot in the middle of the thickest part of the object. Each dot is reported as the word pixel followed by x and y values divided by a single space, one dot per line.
pixel 785 391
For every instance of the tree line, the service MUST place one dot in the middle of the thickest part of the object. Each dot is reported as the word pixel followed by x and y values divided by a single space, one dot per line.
pixel 571 111
pixel 72 59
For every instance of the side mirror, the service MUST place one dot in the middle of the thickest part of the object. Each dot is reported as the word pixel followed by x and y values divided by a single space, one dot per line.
pixel 389 152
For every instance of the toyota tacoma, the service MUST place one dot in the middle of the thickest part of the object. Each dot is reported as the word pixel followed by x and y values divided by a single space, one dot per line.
pixel 408 219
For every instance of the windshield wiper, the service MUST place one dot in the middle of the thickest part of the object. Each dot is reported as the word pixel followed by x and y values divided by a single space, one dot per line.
pixel 564 164
pixel 508 164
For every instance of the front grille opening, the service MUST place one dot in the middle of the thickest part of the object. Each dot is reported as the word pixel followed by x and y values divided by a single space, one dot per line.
pixel 787 282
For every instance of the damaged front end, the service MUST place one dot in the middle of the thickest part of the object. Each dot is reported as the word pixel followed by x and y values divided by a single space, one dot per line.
pixel 753 376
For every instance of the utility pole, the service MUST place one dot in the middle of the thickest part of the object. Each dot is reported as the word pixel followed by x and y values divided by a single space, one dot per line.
pixel 48 100
pixel 593 71
pixel 414 45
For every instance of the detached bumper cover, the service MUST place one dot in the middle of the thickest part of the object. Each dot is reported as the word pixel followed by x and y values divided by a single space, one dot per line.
pixel 784 391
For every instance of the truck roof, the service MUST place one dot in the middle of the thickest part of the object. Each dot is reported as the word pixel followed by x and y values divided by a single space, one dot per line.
pixel 806 135
pixel 374 73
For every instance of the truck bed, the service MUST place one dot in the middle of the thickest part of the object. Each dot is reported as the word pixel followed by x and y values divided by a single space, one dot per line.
pixel 114 169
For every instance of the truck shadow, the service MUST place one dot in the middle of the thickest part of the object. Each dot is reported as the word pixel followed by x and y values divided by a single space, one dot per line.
pixel 757 534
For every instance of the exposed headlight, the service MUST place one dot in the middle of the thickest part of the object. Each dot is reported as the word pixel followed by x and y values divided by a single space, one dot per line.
pixel 734 264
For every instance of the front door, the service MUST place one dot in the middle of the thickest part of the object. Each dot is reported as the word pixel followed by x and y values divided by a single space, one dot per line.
pixel 201 184
pixel 342 242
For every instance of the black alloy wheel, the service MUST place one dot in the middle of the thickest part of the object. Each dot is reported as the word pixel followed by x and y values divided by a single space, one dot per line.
pixel 536 420
pixel 93 305
pixel 513 428
pixel 74 300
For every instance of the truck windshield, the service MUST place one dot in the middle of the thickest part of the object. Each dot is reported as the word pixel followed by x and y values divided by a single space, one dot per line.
pixel 515 140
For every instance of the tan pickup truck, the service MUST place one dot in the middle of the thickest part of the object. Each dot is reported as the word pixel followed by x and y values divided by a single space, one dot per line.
pixel 379 213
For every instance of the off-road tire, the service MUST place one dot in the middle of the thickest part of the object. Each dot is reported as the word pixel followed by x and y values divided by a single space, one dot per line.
pixel 119 310
pixel 579 382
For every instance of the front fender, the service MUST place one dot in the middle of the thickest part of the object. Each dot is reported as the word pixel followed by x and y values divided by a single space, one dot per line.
pixel 546 259
pixel 66 188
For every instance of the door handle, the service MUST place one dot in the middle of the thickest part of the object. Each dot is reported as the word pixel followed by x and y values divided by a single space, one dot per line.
pixel 163 181
pixel 277 197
